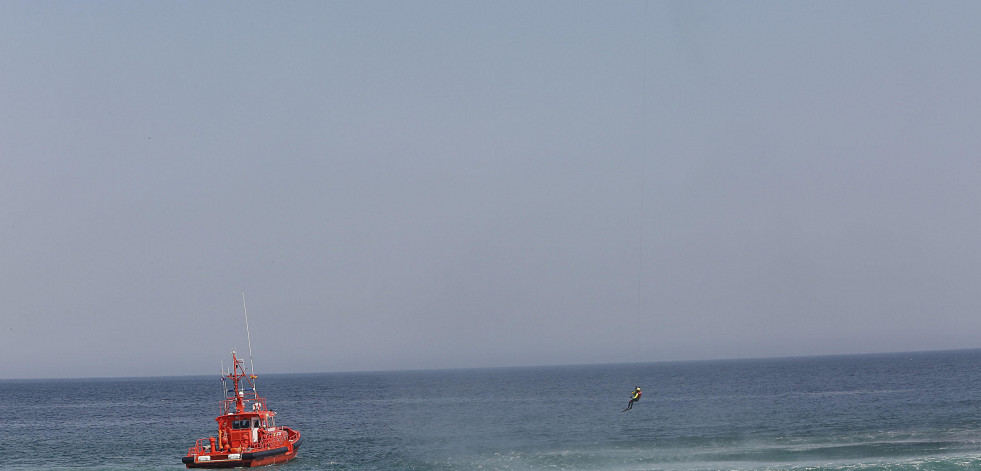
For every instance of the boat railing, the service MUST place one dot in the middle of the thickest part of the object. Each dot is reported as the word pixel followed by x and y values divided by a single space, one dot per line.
pixel 274 439
pixel 201 446
pixel 227 406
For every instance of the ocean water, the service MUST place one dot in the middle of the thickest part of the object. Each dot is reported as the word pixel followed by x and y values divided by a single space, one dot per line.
pixel 912 411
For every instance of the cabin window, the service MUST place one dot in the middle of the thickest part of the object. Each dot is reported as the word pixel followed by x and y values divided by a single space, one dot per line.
pixel 241 424
pixel 255 423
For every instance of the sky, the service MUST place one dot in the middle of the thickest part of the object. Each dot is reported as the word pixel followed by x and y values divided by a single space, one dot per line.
pixel 457 184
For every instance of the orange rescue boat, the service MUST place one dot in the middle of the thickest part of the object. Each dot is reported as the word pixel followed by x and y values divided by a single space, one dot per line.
pixel 247 431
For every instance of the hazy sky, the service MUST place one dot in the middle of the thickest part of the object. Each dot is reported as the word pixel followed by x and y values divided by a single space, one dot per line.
pixel 464 184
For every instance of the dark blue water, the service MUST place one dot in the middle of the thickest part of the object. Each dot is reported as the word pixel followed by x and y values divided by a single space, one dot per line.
pixel 871 412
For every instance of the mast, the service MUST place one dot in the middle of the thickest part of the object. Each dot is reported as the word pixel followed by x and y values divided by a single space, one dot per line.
pixel 252 376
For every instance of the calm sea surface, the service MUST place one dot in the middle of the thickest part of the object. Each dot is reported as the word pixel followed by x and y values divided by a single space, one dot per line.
pixel 908 411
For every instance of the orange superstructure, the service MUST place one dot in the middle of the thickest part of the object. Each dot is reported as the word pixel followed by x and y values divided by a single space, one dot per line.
pixel 247 431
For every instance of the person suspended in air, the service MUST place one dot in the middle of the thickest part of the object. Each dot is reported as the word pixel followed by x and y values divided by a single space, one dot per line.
pixel 634 397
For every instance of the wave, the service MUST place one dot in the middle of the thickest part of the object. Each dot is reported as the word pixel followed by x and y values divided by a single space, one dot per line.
pixel 624 460
pixel 899 455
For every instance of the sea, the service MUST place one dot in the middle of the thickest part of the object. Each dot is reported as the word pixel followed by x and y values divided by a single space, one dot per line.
pixel 899 411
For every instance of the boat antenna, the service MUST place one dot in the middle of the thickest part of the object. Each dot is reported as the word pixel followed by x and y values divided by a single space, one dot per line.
pixel 224 386
pixel 249 334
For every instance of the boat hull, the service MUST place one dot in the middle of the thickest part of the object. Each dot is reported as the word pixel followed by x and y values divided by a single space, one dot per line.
pixel 243 460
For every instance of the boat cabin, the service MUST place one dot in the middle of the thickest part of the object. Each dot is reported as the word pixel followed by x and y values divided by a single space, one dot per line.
pixel 245 423
pixel 243 431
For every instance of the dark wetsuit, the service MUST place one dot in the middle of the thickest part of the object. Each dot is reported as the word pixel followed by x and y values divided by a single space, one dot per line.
pixel 633 399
